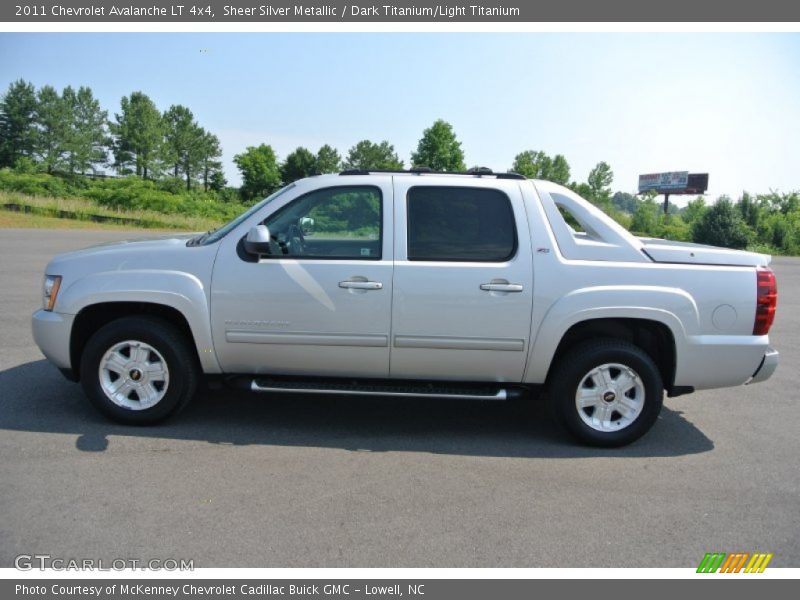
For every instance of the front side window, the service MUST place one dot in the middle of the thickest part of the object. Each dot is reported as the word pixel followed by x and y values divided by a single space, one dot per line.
pixel 337 222
pixel 460 224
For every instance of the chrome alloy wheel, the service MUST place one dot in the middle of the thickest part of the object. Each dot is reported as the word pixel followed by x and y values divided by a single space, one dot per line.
pixel 610 397
pixel 134 375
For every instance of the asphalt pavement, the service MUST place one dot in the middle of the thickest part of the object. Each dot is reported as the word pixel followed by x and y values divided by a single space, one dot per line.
pixel 290 481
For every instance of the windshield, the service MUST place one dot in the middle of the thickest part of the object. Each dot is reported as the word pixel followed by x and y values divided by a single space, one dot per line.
pixel 217 234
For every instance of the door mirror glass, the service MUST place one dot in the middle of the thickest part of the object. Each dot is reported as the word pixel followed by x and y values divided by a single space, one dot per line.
pixel 307 225
pixel 257 241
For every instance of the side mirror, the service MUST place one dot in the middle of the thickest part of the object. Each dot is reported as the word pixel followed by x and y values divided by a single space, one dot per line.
pixel 257 241
pixel 307 225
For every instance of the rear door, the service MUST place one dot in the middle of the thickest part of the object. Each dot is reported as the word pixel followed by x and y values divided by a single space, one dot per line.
pixel 463 280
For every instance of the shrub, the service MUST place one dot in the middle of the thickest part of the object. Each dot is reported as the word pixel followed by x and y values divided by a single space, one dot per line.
pixel 173 185
pixel 721 225
pixel 33 184
pixel 25 165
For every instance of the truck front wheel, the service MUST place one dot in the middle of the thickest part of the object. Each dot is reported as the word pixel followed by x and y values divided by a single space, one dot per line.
pixel 139 370
pixel 606 392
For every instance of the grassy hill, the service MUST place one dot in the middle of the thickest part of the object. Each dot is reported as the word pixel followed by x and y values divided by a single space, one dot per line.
pixel 128 202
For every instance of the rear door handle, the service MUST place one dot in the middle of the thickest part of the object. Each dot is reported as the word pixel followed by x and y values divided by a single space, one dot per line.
pixel 501 287
pixel 361 285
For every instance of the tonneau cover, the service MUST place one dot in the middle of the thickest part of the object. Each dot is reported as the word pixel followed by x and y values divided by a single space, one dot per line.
pixel 667 251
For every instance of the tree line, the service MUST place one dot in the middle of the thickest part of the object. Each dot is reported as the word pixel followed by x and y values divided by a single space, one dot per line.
pixel 69 132
pixel 768 223
pixel 438 149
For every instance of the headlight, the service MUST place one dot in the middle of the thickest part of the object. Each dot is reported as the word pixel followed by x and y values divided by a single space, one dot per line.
pixel 50 291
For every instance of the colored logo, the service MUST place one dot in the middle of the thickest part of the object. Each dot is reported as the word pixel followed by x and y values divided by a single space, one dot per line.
pixel 736 562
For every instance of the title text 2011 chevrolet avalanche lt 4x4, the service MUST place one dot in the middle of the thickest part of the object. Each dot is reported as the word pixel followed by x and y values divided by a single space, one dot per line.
pixel 413 284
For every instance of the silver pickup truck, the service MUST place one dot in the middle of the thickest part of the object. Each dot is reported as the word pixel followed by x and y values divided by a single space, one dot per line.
pixel 473 286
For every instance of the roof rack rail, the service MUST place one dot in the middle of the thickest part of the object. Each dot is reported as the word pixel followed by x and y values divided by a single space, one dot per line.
pixel 475 172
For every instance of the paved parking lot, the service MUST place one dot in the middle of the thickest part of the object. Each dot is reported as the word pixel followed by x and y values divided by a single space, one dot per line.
pixel 241 480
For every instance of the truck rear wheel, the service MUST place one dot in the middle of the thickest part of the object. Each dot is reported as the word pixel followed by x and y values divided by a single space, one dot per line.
pixel 139 370
pixel 606 392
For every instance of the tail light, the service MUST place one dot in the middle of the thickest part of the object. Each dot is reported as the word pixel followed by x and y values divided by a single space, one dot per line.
pixel 766 300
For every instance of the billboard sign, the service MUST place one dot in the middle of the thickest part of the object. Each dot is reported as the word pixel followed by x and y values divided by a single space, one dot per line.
pixel 664 182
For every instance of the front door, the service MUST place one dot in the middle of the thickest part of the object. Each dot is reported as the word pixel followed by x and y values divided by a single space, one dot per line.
pixel 463 280
pixel 320 303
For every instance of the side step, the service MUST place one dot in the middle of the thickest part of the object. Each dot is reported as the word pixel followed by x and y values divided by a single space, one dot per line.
pixel 394 389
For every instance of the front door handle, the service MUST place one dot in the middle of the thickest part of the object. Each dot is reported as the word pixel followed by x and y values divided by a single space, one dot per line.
pixel 361 285
pixel 501 287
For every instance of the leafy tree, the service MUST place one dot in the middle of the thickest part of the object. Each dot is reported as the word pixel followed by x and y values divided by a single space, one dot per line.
pixel 260 172
pixel 52 125
pixel 439 149
pixel 328 161
pixel 210 165
pixel 87 137
pixel 533 164
pixel 645 219
pixel 299 164
pixel 600 178
pixel 177 124
pixel 721 225
pixel 138 133
pixel 17 123
pixel 748 207
pixel 369 156
pixel 778 232
pixel 559 170
pixel 785 203
pixel 582 189
pixel 625 202
pixel 673 228
pixel 694 210
pixel 217 181
pixel 193 154
pixel 25 165
pixel 184 141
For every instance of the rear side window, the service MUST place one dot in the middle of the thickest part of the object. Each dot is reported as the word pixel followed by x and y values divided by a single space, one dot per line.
pixel 460 224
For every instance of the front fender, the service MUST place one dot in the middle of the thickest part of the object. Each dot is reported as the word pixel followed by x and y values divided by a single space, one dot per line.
pixel 670 306
pixel 177 289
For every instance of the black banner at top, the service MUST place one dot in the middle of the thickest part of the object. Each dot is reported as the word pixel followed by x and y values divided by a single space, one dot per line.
pixel 242 11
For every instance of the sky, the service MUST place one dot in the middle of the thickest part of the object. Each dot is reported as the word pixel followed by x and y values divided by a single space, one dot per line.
pixel 723 103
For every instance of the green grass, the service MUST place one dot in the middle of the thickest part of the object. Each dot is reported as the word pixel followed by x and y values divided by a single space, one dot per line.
pixel 32 209
pixel 16 220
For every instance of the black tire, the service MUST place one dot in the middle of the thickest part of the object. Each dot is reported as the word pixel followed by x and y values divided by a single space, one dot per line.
pixel 576 364
pixel 168 341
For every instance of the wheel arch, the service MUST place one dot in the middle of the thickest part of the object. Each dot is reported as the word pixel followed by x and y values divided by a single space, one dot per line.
pixel 658 318
pixel 94 316
pixel 178 296
pixel 653 337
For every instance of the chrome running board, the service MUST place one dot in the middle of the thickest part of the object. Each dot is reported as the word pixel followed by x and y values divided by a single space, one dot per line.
pixel 398 391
